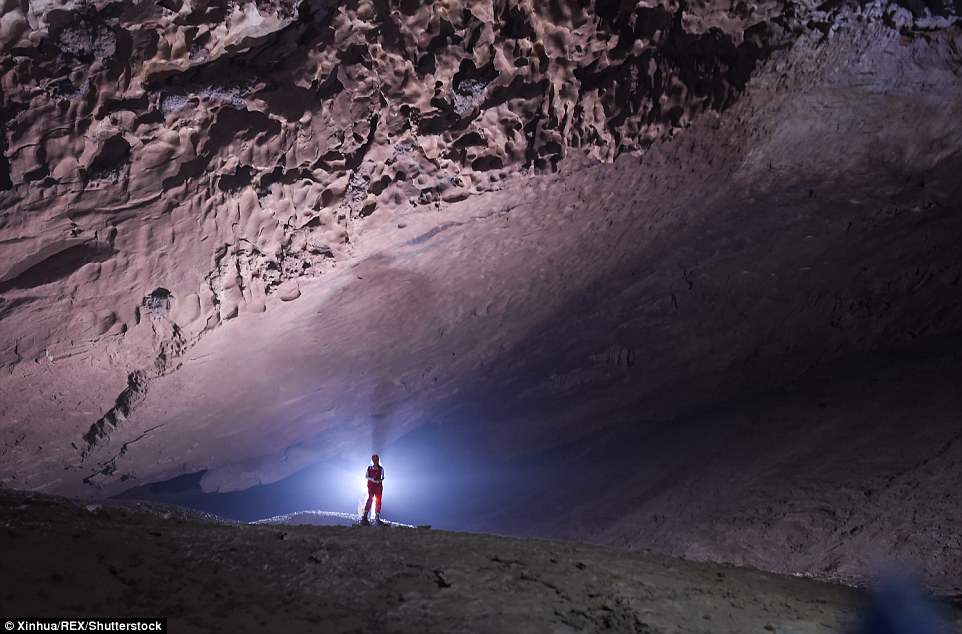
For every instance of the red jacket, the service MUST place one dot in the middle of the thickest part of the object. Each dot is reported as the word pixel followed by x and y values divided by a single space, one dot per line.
pixel 375 475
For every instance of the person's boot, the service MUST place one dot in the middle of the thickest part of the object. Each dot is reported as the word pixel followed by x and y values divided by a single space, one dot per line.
pixel 377 519
pixel 365 521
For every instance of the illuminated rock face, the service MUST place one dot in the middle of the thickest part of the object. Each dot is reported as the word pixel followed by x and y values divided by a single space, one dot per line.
pixel 250 237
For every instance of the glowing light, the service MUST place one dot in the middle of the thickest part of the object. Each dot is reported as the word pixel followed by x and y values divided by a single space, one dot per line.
pixel 362 500
pixel 347 481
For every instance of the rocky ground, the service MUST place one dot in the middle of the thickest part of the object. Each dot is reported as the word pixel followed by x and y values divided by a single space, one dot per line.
pixel 242 238
pixel 849 471
pixel 67 558
pixel 325 518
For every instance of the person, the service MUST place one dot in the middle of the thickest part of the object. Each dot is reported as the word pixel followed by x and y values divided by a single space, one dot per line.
pixel 375 489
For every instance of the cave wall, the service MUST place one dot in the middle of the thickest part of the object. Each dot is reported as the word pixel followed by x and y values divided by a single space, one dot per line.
pixel 170 166
pixel 244 239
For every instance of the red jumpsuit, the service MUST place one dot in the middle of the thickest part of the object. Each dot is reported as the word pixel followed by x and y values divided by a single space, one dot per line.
pixel 375 488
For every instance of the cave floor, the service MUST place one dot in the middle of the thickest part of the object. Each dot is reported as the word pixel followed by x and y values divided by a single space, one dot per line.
pixel 67 558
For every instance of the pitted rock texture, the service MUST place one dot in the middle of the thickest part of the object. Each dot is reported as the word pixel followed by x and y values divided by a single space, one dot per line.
pixel 277 127
pixel 222 152
pixel 242 238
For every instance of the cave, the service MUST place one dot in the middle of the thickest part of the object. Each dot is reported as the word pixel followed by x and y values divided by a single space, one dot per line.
pixel 651 313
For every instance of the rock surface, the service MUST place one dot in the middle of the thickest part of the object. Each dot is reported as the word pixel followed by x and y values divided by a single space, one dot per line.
pixel 837 476
pixel 245 238
pixel 68 560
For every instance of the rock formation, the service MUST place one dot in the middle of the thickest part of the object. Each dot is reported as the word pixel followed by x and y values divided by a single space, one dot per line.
pixel 248 237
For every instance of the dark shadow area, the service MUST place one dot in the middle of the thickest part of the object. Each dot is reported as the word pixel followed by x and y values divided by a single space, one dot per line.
pixel 649 482
pixel 57 266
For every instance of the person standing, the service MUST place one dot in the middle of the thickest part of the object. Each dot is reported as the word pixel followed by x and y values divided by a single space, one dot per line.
pixel 375 490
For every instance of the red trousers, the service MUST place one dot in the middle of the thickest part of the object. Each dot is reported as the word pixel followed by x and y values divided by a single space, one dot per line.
pixel 374 492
